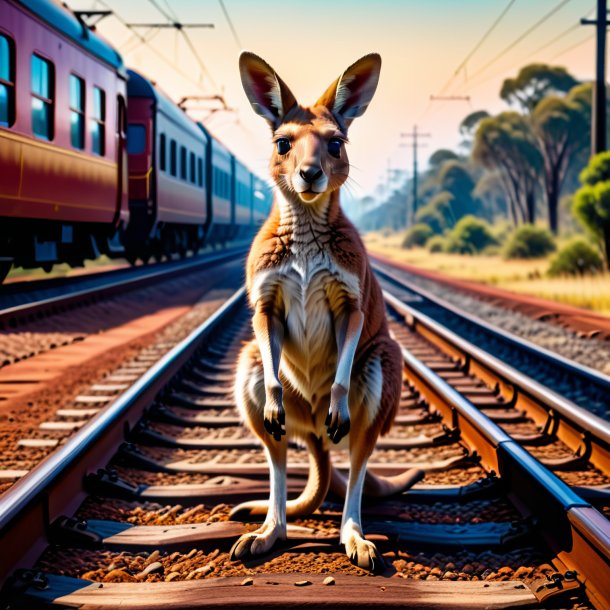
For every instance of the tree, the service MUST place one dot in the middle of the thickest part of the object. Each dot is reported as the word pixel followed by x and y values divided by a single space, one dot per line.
pixel 454 178
pixel 592 201
pixel 437 213
pixel 505 143
pixel 534 82
pixel 469 124
pixel 561 128
pixel 490 193
pixel 439 156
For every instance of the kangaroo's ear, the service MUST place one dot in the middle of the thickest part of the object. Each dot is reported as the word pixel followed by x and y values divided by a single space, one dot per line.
pixel 349 96
pixel 268 93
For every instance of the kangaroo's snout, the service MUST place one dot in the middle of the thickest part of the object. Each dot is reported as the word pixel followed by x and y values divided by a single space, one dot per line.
pixel 310 173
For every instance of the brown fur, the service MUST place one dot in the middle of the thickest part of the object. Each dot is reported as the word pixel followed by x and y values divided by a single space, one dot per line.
pixel 319 316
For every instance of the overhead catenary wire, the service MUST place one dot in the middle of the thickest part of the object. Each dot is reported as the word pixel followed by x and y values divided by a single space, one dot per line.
pixel 574 27
pixel 160 55
pixel 573 46
pixel 187 40
pixel 479 44
pixel 521 38
pixel 471 86
pixel 231 26
pixel 469 56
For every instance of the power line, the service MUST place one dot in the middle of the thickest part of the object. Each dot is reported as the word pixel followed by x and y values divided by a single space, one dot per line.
pixel 522 37
pixel 470 55
pixel 144 41
pixel 486 79
pixel 180 28
pixel 231 26
pixel 545 46
pixel 483 39
pixel 198 59
pixel 574 46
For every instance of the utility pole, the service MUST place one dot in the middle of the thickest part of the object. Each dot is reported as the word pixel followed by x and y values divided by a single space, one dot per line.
pixel 599 121
pixel 415 143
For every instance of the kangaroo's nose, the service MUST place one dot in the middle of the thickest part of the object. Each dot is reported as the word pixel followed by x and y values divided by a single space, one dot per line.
pixel 310 173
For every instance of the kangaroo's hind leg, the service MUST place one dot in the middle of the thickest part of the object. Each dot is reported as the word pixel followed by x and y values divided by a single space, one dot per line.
pixel 373 401
pixel 250 397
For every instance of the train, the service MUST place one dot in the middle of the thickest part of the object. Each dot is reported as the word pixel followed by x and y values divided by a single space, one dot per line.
pixel 96 159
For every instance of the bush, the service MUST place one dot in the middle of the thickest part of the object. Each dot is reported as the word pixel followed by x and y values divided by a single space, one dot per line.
pixel 437 213
pixel 578 257
pixel 469 236
pixel 436 244
pixel 417 235
pixel 529 241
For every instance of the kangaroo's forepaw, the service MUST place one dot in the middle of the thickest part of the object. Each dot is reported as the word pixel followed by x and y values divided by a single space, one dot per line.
pixel 256 543
pixel 274 414
pixel 337 426
pixel 364 554
pixel 337 421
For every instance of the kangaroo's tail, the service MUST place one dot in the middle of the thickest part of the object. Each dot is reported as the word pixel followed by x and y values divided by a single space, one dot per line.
pixel 376 486
pixel 313 494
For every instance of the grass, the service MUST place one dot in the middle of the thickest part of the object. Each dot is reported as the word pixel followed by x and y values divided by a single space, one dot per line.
pixel 63 270
pixel 524 276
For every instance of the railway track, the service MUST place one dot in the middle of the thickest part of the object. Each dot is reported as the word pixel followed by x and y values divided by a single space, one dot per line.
pixel 135 508
pixel 580 384
pixel 27 301
pixel 582 322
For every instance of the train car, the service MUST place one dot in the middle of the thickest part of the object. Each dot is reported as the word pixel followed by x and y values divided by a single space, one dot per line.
pixel 62 138
pixel 243 187
pixel 262 200
pixel 222 227
pixel 168 182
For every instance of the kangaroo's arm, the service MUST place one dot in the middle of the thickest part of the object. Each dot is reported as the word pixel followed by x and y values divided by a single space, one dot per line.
pixel 348 328
pixel 269 332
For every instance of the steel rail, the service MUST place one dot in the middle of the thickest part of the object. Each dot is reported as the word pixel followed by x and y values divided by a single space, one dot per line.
pixel 576 532
pixel 55 486
pixel 573 424
pixel 601 380
pixel 109 285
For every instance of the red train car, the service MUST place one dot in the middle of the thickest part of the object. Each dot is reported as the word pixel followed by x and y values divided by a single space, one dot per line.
pixel 63 192
pixel 168 175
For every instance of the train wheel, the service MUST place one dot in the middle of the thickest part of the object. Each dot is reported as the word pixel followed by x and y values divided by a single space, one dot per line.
pixel 5 267
pixel 131 256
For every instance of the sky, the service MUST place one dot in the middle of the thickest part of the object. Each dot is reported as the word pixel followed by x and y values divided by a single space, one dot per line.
pixel 310 42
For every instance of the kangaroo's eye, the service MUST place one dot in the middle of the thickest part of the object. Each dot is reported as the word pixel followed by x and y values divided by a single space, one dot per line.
pixel 283 145
pixel 334 147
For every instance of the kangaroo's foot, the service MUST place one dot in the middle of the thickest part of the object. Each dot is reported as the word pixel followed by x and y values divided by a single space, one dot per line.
pixel 361 552
pixel 258 542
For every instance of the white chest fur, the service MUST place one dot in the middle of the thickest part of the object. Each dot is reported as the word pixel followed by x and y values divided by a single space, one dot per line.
pixel 306 282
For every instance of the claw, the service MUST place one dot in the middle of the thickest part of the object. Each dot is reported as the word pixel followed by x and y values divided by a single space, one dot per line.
pixel 241 548
pixel 275 428
pixel 337 432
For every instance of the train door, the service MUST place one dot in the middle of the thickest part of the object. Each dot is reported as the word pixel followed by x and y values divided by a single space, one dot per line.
pixel 122 214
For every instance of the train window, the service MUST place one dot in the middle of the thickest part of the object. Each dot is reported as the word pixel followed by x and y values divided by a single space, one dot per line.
pixel 7 81
pixel 42 97
pixel 77 111
pixel 173 158
pixel 162 153
pixel 193 168
pixel 183 163
pixel 136 139
pixel 199 171
pixel 98 122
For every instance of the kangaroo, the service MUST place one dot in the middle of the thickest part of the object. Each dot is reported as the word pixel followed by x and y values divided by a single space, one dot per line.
pixel 322 367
